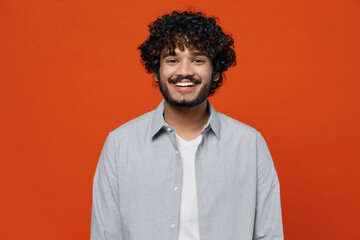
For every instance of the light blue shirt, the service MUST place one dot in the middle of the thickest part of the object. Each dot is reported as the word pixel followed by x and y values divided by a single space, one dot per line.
pixel 137 184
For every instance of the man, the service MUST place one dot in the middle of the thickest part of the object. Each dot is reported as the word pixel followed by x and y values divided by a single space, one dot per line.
pixel 185 171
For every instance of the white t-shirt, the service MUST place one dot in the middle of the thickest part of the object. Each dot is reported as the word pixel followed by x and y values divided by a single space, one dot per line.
pixel 189 224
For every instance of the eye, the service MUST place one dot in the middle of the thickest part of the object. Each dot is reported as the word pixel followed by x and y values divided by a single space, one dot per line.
pixel 171 61
pixel 199 60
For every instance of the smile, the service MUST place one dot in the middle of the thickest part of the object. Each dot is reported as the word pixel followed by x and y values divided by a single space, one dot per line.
pixel 184 84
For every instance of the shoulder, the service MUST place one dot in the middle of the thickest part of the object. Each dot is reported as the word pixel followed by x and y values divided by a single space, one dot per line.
pixel 242 133
pixel 231 125
pixel 135 127
pixel 238 131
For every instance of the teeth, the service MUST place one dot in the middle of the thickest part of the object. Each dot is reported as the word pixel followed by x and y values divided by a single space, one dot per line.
pixel 184 84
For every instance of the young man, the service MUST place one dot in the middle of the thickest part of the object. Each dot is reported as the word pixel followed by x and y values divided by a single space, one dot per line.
pixel 185 171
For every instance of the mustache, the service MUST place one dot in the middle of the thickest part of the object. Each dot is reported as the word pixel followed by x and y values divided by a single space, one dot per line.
pixel 180 78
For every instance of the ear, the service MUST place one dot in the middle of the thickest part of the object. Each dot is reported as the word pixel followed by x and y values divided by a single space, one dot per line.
pixel 216 77
pixel 156 77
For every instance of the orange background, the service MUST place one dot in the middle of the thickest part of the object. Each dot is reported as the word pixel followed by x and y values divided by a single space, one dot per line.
pixel 70 73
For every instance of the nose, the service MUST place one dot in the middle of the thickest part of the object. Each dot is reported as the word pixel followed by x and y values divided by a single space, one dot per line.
pixel 185 69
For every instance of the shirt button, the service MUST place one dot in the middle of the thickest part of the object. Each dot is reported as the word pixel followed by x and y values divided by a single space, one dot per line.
pixel 176 188
pixel 176 152
pixel 168 129
pixel 172 225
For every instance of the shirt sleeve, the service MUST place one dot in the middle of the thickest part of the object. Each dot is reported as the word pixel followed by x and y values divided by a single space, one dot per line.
pixel 105 218
pixel 268 220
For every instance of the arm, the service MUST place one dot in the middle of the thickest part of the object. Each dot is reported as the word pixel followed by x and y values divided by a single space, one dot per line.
pixel 105 219
pixel 268 220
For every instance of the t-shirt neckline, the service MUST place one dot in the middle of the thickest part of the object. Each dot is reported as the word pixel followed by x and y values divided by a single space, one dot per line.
pixel 193 142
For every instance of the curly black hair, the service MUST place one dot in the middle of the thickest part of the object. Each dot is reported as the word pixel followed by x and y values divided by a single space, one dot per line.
pixel 189 29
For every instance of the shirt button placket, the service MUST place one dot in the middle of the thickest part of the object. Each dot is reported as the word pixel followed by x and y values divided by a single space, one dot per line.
pixel 177 194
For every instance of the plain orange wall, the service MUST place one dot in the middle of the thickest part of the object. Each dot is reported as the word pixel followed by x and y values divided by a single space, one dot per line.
pixel 70 73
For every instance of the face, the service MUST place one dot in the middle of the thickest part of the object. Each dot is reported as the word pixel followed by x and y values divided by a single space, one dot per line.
pixel 185 78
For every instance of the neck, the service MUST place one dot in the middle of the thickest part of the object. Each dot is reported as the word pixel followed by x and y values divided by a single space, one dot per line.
pixel 188 122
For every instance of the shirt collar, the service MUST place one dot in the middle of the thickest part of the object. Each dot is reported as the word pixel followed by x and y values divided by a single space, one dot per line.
pixel 158 122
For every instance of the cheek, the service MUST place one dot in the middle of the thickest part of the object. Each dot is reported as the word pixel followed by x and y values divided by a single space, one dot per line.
pixel 205 72
pixel 206 75
pixel 165 73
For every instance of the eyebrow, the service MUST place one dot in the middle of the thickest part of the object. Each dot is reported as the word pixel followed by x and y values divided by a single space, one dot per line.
pixel 200 54
pixel 193 53
pixel 168 54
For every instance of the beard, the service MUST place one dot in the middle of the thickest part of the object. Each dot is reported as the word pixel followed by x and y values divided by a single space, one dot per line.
pixel 202 96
